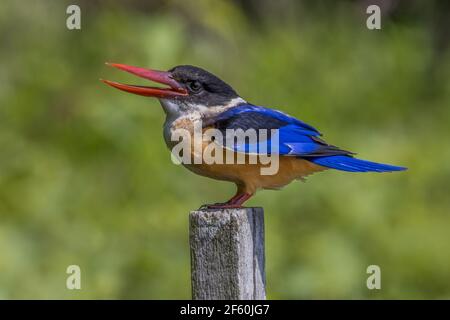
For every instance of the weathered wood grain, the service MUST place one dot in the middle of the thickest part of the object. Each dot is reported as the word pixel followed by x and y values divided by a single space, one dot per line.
pixel 227 254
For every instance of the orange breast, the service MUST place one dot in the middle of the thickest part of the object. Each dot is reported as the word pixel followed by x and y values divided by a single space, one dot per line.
pixel 247 176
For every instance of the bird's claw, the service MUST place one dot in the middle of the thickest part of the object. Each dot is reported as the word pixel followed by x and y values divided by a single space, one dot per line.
pixel 220 205
pixel 234 203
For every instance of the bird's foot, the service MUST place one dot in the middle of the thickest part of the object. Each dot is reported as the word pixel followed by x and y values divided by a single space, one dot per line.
pixel 233 203
pixel 219 205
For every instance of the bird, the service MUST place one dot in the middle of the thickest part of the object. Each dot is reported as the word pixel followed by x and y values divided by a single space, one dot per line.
pixel 192 97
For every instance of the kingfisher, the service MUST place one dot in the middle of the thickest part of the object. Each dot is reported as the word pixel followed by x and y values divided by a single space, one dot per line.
pixel 192 96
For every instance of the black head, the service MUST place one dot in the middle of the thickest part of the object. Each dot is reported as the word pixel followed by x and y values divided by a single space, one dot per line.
pixel 202 86
pixel 190 88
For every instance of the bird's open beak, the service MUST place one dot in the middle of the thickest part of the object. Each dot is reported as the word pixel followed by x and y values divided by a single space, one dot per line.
pixel 162 77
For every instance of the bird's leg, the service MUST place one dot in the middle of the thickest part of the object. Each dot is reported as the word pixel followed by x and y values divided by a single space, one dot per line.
pixel 206 206
pixel 236 202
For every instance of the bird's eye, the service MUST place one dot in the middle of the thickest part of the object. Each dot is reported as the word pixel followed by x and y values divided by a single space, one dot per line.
pixel 195 86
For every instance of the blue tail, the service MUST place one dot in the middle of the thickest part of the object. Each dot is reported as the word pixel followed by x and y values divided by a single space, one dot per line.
pixel 346 163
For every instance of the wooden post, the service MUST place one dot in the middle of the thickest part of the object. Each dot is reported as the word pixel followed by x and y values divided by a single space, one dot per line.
pixel 227 254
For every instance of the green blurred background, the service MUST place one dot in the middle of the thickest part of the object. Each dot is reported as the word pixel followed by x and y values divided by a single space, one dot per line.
pixel 86 179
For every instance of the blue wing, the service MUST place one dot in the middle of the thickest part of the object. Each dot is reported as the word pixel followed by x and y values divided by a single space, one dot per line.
pixel 294 138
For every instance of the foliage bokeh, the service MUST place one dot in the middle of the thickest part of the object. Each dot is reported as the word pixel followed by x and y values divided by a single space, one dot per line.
pixel 85 177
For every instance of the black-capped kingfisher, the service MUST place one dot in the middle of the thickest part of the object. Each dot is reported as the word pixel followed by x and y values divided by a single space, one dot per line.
pixel 194 95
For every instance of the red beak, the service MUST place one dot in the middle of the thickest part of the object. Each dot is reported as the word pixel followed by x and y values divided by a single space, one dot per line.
pixel 162 77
